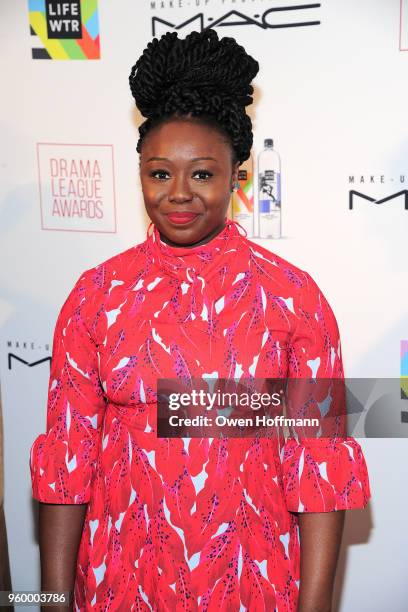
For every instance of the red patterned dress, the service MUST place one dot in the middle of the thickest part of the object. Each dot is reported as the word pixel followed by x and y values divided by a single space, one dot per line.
pixel 186 524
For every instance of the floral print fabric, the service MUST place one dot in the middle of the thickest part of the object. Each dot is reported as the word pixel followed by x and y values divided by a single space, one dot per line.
pixel 179 524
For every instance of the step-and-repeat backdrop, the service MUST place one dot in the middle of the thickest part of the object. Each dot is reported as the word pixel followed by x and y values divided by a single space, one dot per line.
pixel 332 94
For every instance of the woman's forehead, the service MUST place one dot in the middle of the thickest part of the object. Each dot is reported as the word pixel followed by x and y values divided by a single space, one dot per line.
pixel 184 139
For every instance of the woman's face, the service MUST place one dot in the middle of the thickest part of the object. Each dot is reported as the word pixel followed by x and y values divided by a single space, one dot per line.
pixel 185 168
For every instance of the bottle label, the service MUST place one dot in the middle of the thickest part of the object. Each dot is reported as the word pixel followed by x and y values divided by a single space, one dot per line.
pixel 269 191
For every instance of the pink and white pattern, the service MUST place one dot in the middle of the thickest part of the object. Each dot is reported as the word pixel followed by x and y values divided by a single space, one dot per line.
pixel 188 524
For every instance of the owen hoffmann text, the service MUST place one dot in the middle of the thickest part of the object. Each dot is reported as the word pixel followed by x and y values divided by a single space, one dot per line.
pixel 258 420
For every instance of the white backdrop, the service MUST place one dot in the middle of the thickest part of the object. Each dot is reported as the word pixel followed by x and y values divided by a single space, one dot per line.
pixel 333 96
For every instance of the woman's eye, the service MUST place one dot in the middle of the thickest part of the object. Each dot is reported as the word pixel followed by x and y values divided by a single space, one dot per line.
pixel 202 174
pixel 160 174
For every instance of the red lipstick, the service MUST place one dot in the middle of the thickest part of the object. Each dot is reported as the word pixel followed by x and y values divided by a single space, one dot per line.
pixel 181 217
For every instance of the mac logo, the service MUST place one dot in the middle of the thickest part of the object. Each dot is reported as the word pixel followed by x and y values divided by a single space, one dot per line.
pixel 354 194
pixel 235 18
pixel 12 356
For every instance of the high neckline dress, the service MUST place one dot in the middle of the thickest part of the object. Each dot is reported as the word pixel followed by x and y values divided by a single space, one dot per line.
pixel 188 524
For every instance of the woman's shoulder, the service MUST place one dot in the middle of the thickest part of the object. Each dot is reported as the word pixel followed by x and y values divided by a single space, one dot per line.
pixel 279 272
pixel 120 270
pixel 296 288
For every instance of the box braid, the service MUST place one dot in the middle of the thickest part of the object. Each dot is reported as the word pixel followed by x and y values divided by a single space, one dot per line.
pixel 200 77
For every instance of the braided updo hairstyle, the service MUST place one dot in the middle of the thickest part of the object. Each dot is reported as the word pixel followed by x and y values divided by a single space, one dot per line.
pixel 201 77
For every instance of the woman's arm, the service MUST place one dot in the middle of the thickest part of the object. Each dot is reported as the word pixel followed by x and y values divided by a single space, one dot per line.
pixel 60 534
pixel 320 539
pixel 63 460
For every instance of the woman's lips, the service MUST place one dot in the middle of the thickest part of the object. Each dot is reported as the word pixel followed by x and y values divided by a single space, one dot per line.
pixel 181 218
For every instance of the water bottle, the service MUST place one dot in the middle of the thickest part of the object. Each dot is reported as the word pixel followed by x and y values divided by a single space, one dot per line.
pixel 269 188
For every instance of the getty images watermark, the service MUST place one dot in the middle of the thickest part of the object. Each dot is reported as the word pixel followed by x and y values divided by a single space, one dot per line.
pixel 223 403
pixel 266 407
pixel 242 408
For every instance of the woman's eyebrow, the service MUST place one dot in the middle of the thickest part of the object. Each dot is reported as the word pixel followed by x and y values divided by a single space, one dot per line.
pixel 201 158
pixel 194 159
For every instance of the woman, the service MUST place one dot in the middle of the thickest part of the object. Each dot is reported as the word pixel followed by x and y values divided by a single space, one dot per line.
pixel 144 522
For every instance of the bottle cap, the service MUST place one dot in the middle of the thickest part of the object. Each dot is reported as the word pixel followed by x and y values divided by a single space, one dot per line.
pixel 268 143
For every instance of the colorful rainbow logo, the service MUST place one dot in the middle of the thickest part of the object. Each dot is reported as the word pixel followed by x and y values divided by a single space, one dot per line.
pixel 64 30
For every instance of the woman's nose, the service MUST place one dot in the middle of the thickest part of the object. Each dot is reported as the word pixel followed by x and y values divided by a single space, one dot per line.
pixel 180 190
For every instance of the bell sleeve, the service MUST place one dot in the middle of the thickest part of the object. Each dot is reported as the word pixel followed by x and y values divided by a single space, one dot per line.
pixel 62 460
pixel 321 474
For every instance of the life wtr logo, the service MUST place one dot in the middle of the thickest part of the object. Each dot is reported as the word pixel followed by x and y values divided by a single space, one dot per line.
pixel 64 29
